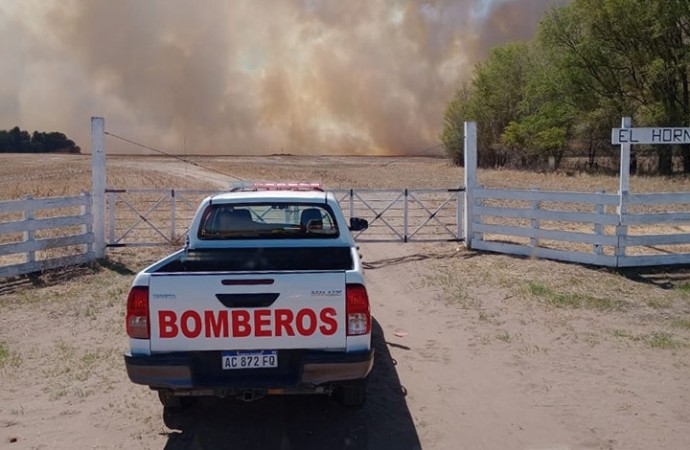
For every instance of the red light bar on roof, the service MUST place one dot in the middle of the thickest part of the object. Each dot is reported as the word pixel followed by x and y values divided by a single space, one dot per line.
pixel 288 186
pixel 270 186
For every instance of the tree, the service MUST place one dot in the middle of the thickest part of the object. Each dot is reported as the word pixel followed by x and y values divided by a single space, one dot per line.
pixel 547 112
pixel 592 131
pixel 18 141
pixel 456 114
pixel 631 53
pixel 592 62
pixel 492 99
pixel 499 86
pixel 4 141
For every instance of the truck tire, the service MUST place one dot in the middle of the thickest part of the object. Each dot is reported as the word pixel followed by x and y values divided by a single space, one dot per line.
pixel 170 400
pixel 352 394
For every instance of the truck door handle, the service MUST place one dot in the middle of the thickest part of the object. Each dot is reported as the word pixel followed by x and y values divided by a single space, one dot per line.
pixel 247 300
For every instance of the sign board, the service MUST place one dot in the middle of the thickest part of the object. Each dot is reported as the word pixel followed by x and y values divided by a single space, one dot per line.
pixel 650 136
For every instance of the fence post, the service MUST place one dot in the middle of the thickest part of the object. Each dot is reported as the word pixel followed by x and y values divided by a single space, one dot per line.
pixel 622 210
pixel 599 210
pixel 111 217
pixel 172 216
pixel 405 211
pixel 352 203
pixel 29 233
pixel 534 222
pixel 470 156
pixel 626 122
pixel 87 228
pixel 98 184
pixel 459 210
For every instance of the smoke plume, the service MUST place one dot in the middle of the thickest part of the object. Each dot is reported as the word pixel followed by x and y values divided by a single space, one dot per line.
pixel 248 76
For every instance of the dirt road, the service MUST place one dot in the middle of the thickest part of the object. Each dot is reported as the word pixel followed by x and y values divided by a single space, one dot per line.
pixel 460 365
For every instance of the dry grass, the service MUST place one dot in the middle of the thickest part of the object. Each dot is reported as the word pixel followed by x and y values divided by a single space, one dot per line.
pixel 8 357
pixel 651 305
pixel 67 175
pixel 67 347
pixel 579 182
pixel 57 175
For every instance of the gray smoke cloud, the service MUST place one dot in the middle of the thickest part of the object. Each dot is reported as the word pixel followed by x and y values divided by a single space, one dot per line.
pixel 248 76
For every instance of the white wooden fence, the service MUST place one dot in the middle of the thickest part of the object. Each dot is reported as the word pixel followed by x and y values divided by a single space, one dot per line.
pixel 573 227
pixel 651 238
pixel 614 230
pixel 45 233
pixel 599 229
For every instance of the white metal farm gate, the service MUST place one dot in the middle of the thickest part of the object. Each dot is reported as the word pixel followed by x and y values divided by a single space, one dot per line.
pixel 151 217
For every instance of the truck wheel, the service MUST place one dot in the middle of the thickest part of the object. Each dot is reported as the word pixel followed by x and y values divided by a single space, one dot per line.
pixel 352 394
pixel 170 400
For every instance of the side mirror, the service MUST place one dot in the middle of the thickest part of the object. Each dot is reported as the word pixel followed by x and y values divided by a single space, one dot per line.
pixel 357 224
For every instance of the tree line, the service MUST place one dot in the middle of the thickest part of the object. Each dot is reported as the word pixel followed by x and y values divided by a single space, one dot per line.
pixel 20 141
pixel 590 63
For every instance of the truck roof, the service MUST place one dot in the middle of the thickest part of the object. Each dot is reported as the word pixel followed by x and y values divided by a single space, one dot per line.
pixel 281 196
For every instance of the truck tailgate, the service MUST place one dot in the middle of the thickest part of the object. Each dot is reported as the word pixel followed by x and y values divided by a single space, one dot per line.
pixel 195 312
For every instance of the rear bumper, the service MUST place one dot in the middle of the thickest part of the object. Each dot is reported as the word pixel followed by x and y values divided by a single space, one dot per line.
pixel 202 370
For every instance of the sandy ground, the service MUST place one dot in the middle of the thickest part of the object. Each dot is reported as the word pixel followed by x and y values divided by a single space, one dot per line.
pixel 493 371
pixel 474 351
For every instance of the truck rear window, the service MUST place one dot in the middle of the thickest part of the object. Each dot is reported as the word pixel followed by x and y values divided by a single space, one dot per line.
pixel 268 221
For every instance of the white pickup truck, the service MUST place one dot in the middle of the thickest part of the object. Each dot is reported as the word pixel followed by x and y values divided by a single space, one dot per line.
pixel 267 297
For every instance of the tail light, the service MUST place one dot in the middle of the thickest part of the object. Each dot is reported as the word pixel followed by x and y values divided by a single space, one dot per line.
pixel 357 310
pixel 138 313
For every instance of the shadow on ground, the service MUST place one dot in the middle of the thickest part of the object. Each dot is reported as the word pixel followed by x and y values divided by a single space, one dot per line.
pixel 373 265
pixel 302 422
pixel 47 278
pixel 665 277
pixel 61 275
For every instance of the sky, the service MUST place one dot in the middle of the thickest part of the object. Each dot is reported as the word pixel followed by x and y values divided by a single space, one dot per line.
pixel 244 77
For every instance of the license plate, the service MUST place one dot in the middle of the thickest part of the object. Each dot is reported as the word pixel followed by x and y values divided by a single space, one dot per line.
pixel 263 359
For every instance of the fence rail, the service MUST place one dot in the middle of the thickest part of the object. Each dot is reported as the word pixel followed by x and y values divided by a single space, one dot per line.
pixel 405 215
pixel 656 237
pixel 150 217
pixel 583 227
pixel 45 233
